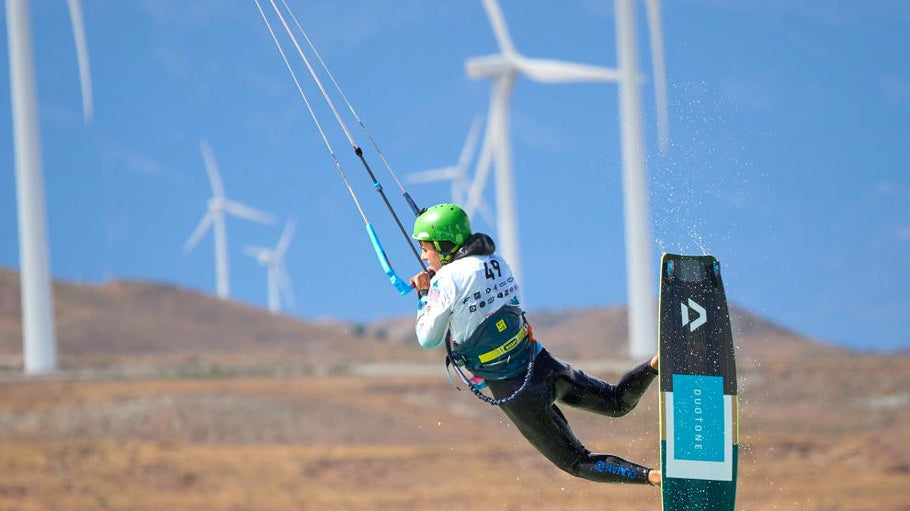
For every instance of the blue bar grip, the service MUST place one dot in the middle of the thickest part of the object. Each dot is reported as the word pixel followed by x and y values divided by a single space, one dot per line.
pixel 402 286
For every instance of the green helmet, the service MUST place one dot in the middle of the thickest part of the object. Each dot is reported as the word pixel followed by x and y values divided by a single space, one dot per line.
pixel 446 223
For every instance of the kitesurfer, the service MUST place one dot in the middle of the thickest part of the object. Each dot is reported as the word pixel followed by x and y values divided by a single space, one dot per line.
pixel 470 296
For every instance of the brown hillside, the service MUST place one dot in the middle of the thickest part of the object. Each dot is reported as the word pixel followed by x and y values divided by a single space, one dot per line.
pixel 148 323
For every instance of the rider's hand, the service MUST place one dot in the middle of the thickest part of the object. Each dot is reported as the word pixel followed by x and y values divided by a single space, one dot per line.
pixel 421 281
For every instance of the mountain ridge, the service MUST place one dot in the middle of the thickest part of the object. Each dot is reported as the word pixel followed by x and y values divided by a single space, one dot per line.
pixel 162 323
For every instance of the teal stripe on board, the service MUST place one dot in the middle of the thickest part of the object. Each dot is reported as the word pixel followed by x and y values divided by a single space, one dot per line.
pixel 698 495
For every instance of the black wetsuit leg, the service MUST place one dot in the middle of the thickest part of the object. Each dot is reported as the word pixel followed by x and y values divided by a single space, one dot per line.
pixel 540 421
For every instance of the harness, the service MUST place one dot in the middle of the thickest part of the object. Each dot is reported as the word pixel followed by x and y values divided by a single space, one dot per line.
pixel 501 347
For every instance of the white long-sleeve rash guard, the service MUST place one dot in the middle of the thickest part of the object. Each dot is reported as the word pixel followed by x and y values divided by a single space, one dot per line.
pixel 462 294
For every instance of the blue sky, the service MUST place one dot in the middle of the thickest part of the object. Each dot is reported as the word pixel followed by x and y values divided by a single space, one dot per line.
pixel 789 126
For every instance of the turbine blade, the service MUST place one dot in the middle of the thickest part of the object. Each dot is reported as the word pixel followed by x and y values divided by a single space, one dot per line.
pixel 499 25
pixel 199 232
pixel 243 211
pixel 485 160
pixel 429 176
pixel 487 214
pixel 655 28
pixel 555 71
pixel 481 172
pixel 284 283
pixel 85 75
pixel 286 238
pixel 469 145
pixel 211 168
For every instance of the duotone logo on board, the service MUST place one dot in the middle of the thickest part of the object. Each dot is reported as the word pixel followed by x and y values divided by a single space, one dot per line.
pixel 699 422
pixel 686 317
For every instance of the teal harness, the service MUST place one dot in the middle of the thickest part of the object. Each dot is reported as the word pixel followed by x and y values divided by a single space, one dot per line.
pixel 501 347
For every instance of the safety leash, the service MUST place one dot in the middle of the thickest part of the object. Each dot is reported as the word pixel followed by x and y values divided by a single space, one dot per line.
pixel 476 387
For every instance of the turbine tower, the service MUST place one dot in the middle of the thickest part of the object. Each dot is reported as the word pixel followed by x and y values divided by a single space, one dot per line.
pixel 276 276
pixel 39 345
pixel 502 69
pixel 458 175
pixel 642 324
pixel 218 205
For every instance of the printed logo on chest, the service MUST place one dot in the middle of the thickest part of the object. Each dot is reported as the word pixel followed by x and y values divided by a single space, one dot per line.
pixel 498 287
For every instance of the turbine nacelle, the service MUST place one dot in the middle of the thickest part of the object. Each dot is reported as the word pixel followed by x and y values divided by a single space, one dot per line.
pixel 216 204
pixel 491 66
pixel 262 255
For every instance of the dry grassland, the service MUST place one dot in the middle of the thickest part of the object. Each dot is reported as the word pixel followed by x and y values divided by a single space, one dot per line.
pixel 823 436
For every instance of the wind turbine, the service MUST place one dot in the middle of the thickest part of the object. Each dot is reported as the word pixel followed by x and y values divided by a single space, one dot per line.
pixel 458 175
pixel 38 339
pixel 218 205
pixel 503 68
pixel 276 276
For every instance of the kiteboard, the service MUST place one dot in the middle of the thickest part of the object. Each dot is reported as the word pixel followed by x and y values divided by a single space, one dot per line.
pixel 699 438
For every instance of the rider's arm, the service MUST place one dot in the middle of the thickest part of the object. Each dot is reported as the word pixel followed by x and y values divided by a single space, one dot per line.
pixel 434 312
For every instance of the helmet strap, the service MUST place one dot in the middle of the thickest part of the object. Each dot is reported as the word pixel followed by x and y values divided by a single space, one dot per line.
pixel 445 253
